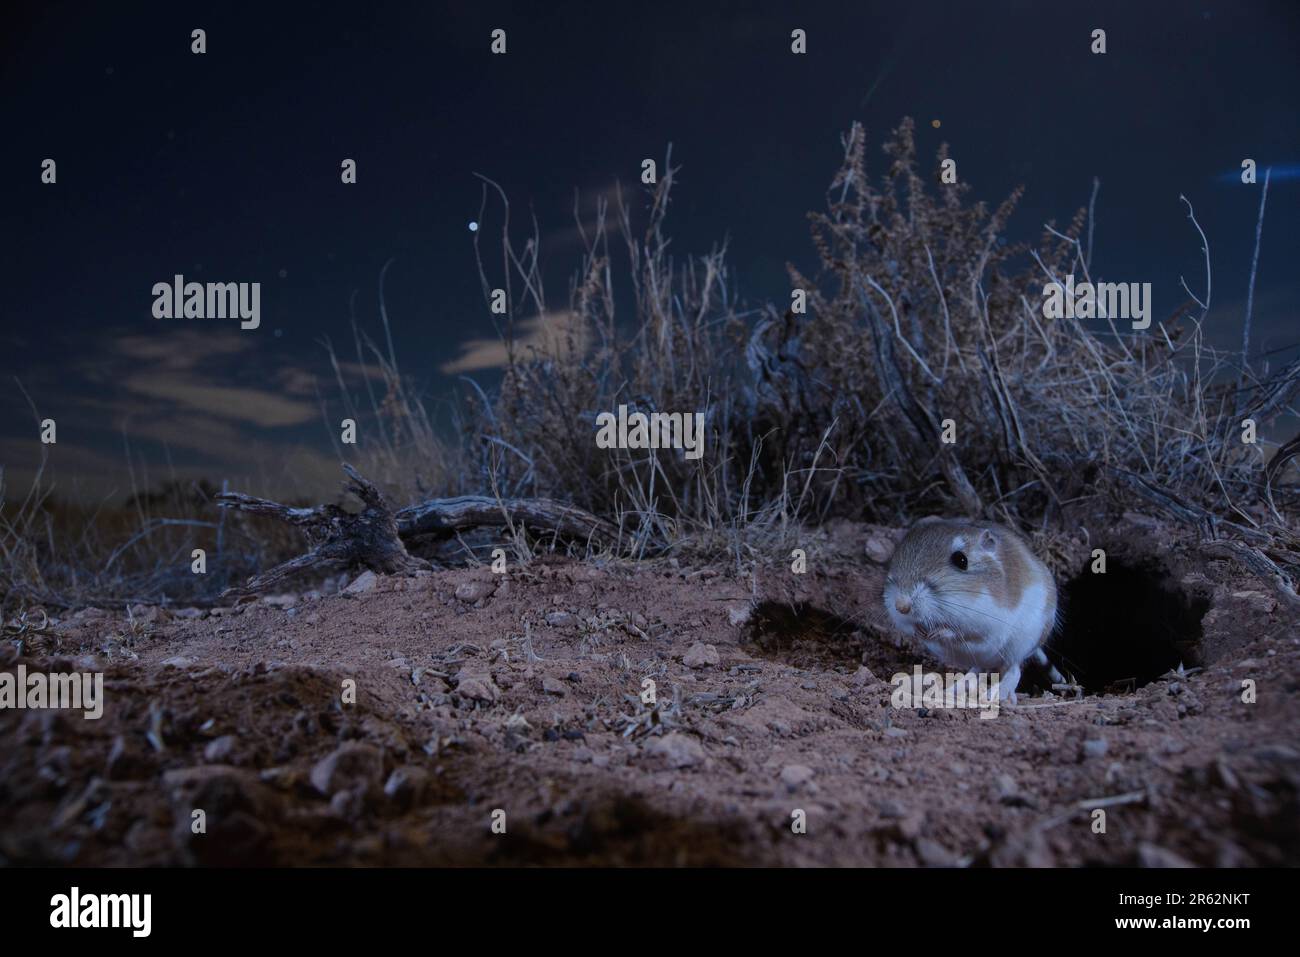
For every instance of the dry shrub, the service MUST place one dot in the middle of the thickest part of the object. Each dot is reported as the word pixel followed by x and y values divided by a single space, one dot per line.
pixel 921 311
pixel 64 554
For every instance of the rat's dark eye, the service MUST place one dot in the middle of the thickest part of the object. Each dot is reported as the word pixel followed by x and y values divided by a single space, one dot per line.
pixel 959 559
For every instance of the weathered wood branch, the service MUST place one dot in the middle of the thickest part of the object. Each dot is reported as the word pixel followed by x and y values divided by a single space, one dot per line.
pixel 339 538
pixel 447 515
pixel 374 538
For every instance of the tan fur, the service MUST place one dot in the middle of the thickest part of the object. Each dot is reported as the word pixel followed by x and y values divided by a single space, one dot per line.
pixel 925 553
pixel 948 606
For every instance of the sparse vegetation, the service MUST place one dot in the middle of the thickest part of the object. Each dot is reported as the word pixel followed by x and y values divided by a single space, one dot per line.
pixel 920 311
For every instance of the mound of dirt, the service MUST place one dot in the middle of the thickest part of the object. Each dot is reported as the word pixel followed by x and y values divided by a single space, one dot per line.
pixel 464 718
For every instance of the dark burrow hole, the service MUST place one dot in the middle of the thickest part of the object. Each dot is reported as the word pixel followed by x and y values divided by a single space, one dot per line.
pixel 1126 627
pixel 804 636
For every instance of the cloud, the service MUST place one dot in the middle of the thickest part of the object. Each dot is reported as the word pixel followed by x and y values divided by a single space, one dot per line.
pixel 181 349
pixel 255 406
pixel 186 403
pixel 200 433
pixel 586 224
pixel 554 334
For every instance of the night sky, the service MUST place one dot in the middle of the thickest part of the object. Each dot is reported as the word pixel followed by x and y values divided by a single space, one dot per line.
pixel 226 167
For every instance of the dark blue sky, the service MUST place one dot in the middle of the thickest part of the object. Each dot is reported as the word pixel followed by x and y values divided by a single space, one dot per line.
pixel 225 167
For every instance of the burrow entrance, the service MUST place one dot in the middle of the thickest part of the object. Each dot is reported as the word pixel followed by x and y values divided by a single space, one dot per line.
pixel 1120 630
pixel 804 636
pixel 1126 627
pixel 814 639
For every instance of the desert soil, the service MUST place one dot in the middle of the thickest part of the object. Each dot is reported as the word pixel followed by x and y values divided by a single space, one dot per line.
pixel 478 693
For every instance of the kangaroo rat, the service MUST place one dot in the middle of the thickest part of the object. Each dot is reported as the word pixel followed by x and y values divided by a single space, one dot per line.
pixel 975 594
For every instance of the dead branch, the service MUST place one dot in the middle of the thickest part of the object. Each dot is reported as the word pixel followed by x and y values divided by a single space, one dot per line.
pixel 374 537
pixel 340 539
pixel 1260 564
pixel 448 515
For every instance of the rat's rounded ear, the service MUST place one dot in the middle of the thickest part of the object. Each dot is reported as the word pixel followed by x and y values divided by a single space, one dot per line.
pixel 989 540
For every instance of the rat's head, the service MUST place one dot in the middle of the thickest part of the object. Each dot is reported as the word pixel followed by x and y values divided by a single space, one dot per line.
pixel 938 569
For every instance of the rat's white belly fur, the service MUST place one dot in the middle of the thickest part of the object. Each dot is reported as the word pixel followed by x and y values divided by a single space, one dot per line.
pixel 990 637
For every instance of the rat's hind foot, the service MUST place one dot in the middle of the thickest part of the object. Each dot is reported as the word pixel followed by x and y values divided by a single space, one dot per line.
pixel 1040 657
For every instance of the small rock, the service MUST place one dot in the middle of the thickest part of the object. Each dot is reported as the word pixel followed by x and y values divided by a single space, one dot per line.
pixel 891 810
pixel 676 750
pixel 219 750
pixel 794 776
pixel 149 614
pixel 406 785
pixel 933 854
pixel 281 601
pixel 879 549
pixel 863 677
pixel 554 686
pixel 700 655
pixel 352 765
pixel 348 804
pixel 477 687
pixel 365 582
pixel 475 590
pixel 1009 791
pixel 1094 748
pixel 176 661
pixel 739 614
pixel 557 618
pixel 911 825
